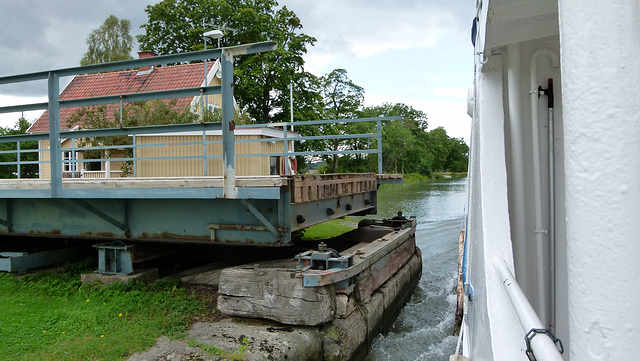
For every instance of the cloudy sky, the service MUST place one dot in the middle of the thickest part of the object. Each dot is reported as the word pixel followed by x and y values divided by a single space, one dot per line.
pixel 416 52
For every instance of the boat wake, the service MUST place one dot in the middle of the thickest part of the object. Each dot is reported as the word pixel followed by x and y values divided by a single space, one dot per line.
pixel 424 328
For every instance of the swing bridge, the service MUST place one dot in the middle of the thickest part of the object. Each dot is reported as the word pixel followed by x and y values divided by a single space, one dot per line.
pixel 227 209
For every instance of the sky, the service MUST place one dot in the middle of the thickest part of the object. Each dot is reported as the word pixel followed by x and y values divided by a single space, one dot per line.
pixel 416 52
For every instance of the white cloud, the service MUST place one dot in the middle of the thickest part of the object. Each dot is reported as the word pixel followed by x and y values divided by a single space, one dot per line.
pixel 10 119
pixel 407 51
pixel 366 28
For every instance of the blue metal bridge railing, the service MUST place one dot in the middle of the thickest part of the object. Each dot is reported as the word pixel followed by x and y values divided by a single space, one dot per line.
pixel 55 135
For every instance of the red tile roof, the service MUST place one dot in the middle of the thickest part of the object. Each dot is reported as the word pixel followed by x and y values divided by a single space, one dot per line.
pixel 124 82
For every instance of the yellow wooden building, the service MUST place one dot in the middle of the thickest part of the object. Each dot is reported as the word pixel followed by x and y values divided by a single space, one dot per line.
pixel 159 78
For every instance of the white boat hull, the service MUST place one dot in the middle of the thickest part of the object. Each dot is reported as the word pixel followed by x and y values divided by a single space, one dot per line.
pixel 553 192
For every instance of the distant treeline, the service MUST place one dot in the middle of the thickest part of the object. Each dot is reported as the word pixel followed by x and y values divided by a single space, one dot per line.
pixel 407 145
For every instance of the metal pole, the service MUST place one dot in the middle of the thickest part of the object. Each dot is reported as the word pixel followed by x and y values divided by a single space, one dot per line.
pixel 542 254
pixel 287 168
pixel 135 155
pixel 291 111
pixel 72 161
pixel 203 98
pixel 54 135
pixel 204 152
pixel 518 219
pixel 18 157
pixel 228 126
pixel 552 203
pixel 379 124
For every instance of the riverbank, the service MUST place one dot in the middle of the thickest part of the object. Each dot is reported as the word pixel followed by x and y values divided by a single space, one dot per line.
pixel 52 316
pixel 415 177
pixel 347 337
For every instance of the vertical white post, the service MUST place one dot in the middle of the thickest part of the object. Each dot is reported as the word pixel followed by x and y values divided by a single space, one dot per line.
pixel 379 137
pixel 74 165
pixel 107 169
pixel 54 135
pixel 291 111
pixel 541 232
pixel 135 157
pixel 602 141
pixel 518 218
pixel 204 98
pixel 18 158
pixel 228 126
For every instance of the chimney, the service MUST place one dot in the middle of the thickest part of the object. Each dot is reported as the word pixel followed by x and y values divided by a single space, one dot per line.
pixel 143 55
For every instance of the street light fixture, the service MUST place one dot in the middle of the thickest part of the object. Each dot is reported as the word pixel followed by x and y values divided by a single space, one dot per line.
pixel 213 34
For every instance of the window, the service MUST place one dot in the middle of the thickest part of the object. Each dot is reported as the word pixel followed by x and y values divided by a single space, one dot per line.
pixel 93 166
pixel 69 163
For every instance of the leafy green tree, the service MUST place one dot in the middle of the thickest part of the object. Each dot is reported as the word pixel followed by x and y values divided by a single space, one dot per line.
pixel 439 145
pixel 397 143
pixel 413 118
pixel 177 26
pixel 402 140
pixel 26 170
pixel 458 159
pixel 110 42
pixel 341 100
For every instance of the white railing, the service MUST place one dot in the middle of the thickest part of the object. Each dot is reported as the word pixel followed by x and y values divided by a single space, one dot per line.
pixel 95 174
pixel 543 345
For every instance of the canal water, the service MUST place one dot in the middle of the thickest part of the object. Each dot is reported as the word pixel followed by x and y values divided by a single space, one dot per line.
pixel 424 329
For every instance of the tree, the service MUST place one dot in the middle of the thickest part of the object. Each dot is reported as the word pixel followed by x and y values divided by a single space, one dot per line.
pixel 176 26
pixel 402 140
pixel 26 170
pixel 439 145
pixel 110 42
pixel 458 159
pixel 341 100
pixel 413 118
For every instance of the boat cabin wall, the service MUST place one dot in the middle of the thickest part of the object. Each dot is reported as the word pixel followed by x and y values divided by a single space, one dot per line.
pixel 529 181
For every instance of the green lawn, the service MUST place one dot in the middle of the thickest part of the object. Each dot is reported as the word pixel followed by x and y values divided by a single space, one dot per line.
pixel 329 229
pixel 54 317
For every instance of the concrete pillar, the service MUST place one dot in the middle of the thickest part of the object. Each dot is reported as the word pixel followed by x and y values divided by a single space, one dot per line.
pixel 600 63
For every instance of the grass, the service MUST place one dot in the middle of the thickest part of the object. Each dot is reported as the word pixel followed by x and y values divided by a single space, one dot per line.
pixel 54 317
pixel 328 229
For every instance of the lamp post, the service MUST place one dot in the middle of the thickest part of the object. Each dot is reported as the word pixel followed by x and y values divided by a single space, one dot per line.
pixel 213 34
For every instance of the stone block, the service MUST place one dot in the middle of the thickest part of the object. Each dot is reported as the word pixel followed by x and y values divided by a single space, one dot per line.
pixel 274 294
pixel 147 275
pixel 373 312
pixel 255 340
pixel 344 305
pixel 345 339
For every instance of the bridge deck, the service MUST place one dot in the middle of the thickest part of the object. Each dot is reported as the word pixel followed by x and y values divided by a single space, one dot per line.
pixel 267 210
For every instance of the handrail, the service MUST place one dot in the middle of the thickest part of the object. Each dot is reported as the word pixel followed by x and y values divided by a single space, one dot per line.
pixel 135 63
pixel 177 129
pixel 543 346
pixel 56 135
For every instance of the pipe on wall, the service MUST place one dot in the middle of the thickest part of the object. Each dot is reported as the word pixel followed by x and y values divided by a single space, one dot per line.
pixel 543 275
pixel 518 228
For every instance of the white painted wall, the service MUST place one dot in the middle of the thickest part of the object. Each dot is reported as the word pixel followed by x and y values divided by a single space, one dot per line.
pixel 601 93
pixel 491 315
